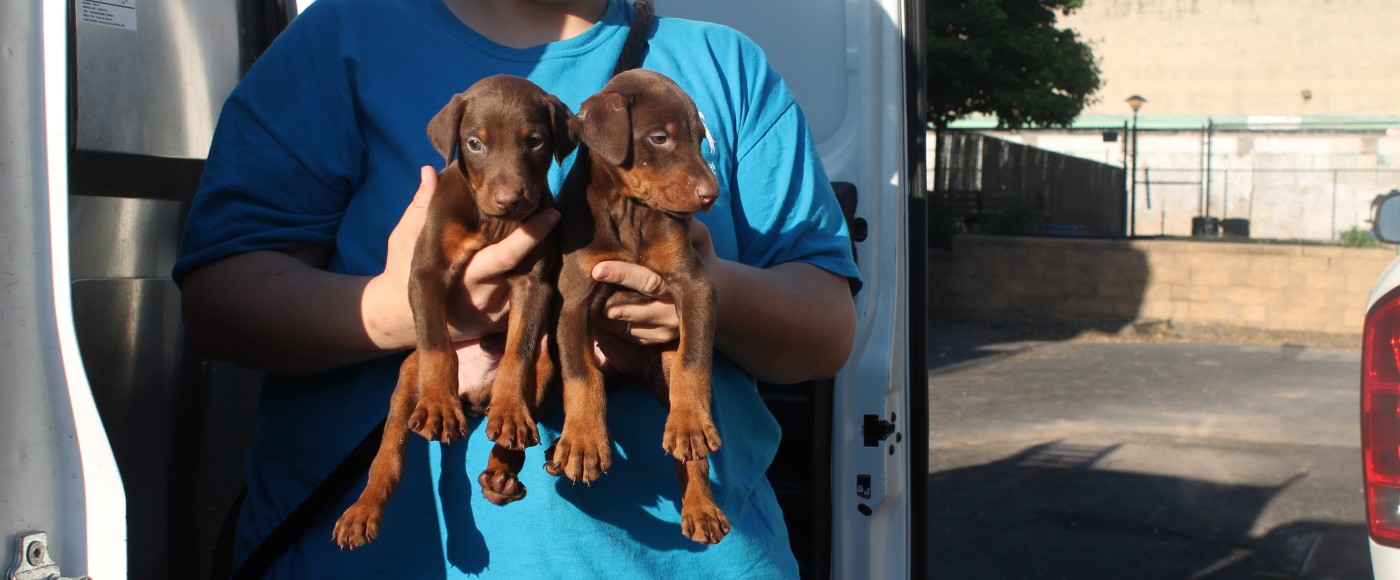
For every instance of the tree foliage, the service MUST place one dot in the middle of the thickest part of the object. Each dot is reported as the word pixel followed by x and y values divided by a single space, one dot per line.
pixel 1007 58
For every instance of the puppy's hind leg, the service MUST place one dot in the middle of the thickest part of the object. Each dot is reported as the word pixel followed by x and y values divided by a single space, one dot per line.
pixel 701 519
pixel 500 482
pixel 359 525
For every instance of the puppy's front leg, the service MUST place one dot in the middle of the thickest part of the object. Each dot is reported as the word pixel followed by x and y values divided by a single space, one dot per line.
pixel 690 428
pixel 510 420
pixel 440 256
pixel 583 450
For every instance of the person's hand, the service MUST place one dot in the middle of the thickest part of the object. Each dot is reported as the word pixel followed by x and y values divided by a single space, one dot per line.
pixel 480 299
pixel 648 322
pixel 654 320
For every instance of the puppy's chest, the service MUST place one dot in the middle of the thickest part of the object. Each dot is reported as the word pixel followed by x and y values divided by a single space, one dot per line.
pixel 637 229
pixel 494 230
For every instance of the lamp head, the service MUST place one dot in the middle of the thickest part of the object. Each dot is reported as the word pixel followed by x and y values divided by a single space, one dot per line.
pixel 1136 102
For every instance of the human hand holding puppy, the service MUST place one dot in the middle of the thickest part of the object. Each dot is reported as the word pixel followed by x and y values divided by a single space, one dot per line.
pixel 283 311
pixel 478 308
pixel 746 318
pixel 481 300
pixel 655 321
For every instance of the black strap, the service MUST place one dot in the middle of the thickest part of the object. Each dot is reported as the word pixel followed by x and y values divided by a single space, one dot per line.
pixel 635 47
pixel 358 461
pixel 301 518
pixel 222 560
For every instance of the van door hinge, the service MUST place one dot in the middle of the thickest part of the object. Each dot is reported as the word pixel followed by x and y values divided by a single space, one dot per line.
pixel 32 561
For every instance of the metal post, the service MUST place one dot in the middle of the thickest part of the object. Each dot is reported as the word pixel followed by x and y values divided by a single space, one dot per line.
pixel 1127 135
pixel 1210 143
pixel 1132 191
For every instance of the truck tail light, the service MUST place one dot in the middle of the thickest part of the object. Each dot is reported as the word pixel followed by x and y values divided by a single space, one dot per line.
pixel 1380 418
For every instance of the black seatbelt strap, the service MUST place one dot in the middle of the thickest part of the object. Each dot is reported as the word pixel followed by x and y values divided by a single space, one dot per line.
pixel 301 518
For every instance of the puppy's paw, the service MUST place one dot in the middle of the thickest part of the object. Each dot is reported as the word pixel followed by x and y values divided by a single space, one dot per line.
pixel 690 435
pixel 580 455
pixel 500 486
pixel 511 426
pixel 358 526
pixel 704 523
pixel 439 418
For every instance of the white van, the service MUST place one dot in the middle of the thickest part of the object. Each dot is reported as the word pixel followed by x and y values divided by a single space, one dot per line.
pixel 123 447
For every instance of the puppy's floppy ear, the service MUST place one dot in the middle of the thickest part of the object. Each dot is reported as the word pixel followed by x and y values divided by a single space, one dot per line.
pixel 561 130
pixel 604 124
pixel 444 129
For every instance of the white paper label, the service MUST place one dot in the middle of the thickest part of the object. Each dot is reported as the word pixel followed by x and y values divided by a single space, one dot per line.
pixel 114 13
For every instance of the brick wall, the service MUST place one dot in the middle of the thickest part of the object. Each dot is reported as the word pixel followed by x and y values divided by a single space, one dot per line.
pixel 1265 286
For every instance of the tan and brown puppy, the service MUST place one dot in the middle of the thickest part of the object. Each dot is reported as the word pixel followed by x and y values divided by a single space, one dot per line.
pixel 499 138
pixel 638 180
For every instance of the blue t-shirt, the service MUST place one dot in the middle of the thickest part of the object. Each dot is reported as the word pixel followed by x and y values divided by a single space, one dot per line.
pixel 321 143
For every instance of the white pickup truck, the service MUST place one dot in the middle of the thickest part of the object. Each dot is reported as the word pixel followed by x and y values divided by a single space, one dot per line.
pixel 122 446
pixel 1380 400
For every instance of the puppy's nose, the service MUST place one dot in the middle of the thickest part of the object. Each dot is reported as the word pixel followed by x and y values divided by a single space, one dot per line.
pixel 707 193
pixel 507 198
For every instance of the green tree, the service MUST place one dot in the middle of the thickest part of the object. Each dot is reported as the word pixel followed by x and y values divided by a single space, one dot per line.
pixel 1007 58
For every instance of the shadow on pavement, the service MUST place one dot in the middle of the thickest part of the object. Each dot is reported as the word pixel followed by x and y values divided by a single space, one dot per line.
pixel 953 347
pixel 1046 512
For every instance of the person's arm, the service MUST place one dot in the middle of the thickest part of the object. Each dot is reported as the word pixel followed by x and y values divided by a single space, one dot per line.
pixel 785 324
pixel 280 312
pixel 276 312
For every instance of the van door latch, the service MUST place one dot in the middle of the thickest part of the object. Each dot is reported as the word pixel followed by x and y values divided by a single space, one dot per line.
pixel 33 561
pixel 876 429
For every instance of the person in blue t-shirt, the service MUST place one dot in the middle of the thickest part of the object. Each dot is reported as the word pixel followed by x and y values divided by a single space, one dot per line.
pixel 295 256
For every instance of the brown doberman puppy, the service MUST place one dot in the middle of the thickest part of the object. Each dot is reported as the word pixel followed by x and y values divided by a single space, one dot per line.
pixel 638 179
pixel 498 138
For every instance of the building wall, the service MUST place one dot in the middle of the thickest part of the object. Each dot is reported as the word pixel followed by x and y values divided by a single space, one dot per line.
pixel 1245 57
pixel 1268 287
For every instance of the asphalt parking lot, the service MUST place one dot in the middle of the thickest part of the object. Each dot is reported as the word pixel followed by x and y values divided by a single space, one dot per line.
pixel 1082 460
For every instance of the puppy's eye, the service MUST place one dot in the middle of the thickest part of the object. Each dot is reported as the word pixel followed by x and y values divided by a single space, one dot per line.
pixel 475 145
pixel 657 138
pixel 534 142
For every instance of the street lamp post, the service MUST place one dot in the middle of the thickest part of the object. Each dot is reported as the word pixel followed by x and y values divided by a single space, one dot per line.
pixel 1136 102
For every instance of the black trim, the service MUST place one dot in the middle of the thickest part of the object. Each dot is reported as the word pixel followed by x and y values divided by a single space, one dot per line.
pixel 801 470
pixel 108 174
pixel 916 110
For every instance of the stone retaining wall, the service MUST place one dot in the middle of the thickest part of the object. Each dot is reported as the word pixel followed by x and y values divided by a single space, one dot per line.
pixel 1264 286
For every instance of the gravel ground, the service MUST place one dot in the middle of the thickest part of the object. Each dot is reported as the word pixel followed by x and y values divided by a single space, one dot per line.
pixel 1137 332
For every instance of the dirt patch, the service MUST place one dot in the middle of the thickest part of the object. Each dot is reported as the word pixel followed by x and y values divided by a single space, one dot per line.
pixel 1144 331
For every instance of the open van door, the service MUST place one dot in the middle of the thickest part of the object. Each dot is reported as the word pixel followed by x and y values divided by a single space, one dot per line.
pixel 109 109
pixel 63 509
pixel 121 447
pixel 852 470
